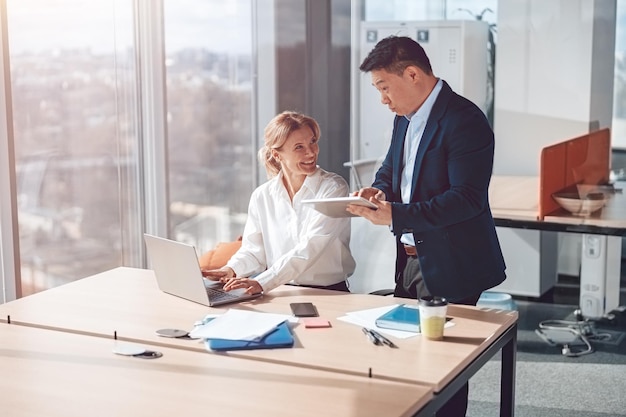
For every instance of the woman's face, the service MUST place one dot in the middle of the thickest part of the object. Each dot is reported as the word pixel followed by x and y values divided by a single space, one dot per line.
pixel 298 155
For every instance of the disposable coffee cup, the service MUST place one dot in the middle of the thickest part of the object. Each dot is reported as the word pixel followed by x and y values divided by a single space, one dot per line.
pixel 432 317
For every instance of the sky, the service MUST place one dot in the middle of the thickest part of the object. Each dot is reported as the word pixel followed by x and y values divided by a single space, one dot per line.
pixel 36 25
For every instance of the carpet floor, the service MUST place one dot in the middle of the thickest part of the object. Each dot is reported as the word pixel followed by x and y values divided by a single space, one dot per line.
pixel 551 384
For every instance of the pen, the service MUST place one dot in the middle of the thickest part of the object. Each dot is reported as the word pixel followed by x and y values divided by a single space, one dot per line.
pixel 383 339
pixel 371 336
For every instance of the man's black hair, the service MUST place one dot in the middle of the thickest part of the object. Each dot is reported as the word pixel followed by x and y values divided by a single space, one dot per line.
pixel 395 53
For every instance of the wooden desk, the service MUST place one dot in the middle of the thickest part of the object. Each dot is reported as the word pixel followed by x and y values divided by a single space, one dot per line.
pixel 514 202
pixel 417 360
pixel 514 197
pixel 477 335
pixel 127 301
pixel 60 374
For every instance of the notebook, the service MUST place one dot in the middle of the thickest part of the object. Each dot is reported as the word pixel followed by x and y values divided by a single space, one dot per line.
pixel 279 338
pixel 403 317
pixel 175 265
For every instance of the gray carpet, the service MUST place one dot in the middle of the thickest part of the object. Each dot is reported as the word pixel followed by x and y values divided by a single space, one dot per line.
pixel 550 384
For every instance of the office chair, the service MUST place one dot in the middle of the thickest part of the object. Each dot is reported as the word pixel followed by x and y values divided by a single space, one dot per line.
pixel 370 242
pixel 384 292
pixel 218 256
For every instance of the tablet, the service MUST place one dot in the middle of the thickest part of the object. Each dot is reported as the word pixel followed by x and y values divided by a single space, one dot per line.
pixel 336 207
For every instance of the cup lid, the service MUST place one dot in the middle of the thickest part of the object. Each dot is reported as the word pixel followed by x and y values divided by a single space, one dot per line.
pixel 433 301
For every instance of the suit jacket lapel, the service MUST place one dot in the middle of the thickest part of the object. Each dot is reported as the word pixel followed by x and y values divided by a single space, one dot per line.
pixel 432 124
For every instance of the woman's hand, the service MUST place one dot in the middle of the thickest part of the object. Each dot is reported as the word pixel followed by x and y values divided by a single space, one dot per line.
pixel 218 274
pixel 251 286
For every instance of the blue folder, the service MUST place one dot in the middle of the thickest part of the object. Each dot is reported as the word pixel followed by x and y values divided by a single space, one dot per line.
pixel 279 338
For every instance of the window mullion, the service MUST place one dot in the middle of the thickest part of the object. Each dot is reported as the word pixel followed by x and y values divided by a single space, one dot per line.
pixel 152 109
pixel 9 243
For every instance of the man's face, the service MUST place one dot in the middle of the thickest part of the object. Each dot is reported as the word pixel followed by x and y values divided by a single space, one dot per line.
pixel 396 92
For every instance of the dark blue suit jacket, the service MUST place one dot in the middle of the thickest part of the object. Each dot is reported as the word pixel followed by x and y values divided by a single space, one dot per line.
pixel 449 212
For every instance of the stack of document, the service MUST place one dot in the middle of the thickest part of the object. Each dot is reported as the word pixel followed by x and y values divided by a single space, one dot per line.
pixel 367 318
pixel 237 329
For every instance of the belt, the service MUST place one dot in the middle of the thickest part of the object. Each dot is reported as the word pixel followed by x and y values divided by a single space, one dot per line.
pixel 410 251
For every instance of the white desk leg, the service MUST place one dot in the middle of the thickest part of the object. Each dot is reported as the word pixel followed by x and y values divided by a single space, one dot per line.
pixel 600 274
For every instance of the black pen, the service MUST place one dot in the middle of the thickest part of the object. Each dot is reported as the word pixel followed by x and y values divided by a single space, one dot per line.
pixel 383 339
pixel 371 336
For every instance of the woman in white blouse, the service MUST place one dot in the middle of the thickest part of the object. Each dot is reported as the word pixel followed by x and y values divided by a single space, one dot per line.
pixel 285 241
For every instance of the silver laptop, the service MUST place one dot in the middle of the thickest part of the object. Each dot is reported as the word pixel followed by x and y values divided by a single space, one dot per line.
pixel 177 272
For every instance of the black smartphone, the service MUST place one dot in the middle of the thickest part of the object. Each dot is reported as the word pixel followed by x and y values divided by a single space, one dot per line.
pixel 303 309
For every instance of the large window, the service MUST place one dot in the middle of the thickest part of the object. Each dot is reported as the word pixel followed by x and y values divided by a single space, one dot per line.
pixel 72 80
pixel 211 150
pixel 80 132
pixel 77 130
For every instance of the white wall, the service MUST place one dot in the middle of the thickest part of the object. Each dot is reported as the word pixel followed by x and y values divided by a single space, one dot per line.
pixel 554 81
pixel 554 76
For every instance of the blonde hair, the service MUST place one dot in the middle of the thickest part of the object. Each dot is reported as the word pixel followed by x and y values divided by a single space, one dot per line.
pixel 276 133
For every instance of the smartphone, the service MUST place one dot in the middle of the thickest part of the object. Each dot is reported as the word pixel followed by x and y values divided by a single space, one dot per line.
pixel 303 309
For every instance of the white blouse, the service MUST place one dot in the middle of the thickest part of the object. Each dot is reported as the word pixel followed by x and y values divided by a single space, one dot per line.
pixel 294 243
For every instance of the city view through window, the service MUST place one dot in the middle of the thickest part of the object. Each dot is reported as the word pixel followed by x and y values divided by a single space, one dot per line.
pixel 211 151
pixel 78 150
pixel 74 142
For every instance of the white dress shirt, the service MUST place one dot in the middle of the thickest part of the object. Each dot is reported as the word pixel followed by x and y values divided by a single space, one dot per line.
pixel 417 124
pixel 285 242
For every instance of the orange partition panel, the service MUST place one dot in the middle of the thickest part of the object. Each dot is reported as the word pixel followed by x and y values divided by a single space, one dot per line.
pixel 581 160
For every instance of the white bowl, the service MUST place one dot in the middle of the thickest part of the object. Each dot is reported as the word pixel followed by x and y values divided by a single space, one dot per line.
pixel 584 189
pixel 572 202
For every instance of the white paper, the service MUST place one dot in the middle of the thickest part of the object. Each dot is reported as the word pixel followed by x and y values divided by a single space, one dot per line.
pixel 367 318
pixel 239 325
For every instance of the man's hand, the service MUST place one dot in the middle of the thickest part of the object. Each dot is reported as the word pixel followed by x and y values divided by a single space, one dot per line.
pixel 381 216
pixel 369 192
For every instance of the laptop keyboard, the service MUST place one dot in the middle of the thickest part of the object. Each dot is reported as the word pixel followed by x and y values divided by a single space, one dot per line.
pixel 218 295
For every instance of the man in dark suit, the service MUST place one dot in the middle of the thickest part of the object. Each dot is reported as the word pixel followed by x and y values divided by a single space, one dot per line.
pixel 432 188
